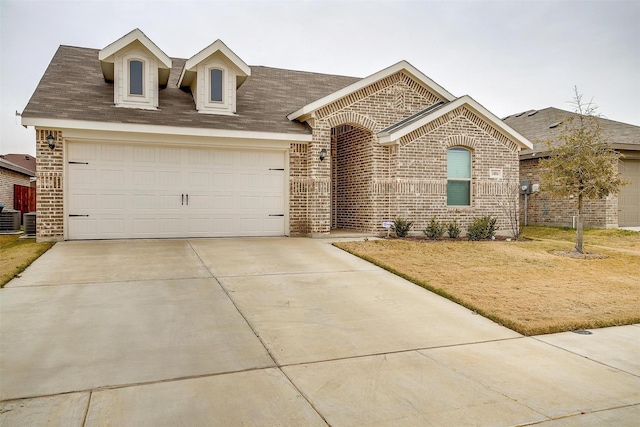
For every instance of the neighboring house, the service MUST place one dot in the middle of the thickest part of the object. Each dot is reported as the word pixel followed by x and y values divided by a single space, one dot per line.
pixel 10 175
pixel 623 210
pixel 150 146
pixel 23 160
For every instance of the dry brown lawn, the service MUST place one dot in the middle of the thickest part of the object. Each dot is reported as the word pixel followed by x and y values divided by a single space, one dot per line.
pixel 524 285
pixel 16 255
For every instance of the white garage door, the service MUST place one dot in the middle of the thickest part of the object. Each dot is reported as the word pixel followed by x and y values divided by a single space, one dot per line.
pixel 127 191
pixel 629 198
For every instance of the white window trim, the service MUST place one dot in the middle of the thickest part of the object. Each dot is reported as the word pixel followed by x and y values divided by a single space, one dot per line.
pixel 145 99
pixel 222 77
pixel 469 180
pixel 128 77
pixel 225 104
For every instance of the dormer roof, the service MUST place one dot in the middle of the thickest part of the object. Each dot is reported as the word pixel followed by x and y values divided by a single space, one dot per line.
pixel 189 70
pixel 106 55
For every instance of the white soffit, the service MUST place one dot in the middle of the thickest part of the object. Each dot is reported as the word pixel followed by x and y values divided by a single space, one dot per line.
pixel 106 55
pixel 168 133
pixel 466 100
pixel 188 71
pixel 400 66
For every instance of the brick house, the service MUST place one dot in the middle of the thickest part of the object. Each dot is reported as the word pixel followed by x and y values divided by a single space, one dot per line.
pixel 150 146
pixel 623 210
pixel 12 174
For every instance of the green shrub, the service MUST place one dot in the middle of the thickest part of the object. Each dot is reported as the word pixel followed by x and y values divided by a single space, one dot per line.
pixel 453 229
pixel 401 226
pixel 482 228
pixel 434 230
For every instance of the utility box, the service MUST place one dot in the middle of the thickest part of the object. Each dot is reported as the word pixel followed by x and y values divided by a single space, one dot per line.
pixel 29 224
pixel 525 187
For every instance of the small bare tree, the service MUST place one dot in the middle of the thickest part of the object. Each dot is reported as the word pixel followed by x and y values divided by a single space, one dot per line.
pixel 583 164
pixel 510 205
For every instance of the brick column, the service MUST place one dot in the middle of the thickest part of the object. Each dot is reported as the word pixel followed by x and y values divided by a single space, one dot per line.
pixel 319 179
pixel 49 187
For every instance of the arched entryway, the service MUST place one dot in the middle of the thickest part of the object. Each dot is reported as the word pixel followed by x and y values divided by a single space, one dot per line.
pixel 352 170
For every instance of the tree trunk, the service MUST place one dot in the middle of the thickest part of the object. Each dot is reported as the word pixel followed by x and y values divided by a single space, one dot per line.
pixel 579 226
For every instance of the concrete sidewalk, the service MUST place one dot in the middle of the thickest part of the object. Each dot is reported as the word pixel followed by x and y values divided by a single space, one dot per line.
pixel 282 332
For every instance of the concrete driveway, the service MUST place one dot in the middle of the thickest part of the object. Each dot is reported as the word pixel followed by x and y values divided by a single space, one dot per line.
pixel 282 331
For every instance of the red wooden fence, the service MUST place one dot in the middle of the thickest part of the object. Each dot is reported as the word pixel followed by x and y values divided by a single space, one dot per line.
pixel 24 199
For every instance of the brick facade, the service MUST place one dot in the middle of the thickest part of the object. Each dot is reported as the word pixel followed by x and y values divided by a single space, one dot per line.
pixel 363 182
pixel 544 210
pixel 49 187
pixel 8 179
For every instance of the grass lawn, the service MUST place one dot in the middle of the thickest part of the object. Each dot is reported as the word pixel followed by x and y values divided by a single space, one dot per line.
pixel 524 285
pixel 16 255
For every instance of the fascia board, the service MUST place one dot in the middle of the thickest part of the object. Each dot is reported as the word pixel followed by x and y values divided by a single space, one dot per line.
pixel 214 47
pixel 400 66
pixel 390 137
pixel 81 125
pixel 107 53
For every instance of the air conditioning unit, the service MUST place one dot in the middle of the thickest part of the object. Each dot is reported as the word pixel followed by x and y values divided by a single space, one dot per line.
pixel 30 224
pixel 9 220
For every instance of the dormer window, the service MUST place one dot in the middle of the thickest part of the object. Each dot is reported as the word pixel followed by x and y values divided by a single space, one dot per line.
pixel 216 84
pixel 137 68
pixel 136 81
pixel 213 76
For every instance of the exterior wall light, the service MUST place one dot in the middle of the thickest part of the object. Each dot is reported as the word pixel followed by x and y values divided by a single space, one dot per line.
pixel 51 140
pixel 323 154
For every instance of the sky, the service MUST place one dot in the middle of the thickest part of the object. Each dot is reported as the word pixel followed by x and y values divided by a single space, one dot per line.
pixel 510 56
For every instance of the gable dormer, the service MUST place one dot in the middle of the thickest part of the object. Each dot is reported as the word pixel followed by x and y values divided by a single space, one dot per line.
pixel 137 68
pixel 213 76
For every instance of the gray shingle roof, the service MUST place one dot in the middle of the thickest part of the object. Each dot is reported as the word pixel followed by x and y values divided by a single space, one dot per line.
pixel 536 128
pixel 73 88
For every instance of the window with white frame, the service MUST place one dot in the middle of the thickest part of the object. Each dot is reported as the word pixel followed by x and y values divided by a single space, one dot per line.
pixel 458 177
pixel 136 77
pixel 216 77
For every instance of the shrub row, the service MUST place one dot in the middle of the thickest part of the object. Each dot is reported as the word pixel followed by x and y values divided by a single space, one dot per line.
pixel 480 228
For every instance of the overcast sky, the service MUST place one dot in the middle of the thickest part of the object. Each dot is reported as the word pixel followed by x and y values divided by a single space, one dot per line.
pixel 510 56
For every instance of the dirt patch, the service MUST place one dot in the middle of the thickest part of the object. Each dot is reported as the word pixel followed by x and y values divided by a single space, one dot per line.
pixel 578 255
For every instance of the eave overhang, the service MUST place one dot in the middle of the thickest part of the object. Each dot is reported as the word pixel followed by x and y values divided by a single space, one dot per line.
pixel 307 111
pixel 161 131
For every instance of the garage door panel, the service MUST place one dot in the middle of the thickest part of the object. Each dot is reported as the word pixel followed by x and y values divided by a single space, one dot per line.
pixel 198 202
pixel 273 226
pixel 144 226
pixel 110 227
pixel 142 202
pixel 135 191
pixel 145 155
pixel 113 202
pixel 82 152
pixel 83 227
pixel 110 177
pixel 84 177
pixel 84 202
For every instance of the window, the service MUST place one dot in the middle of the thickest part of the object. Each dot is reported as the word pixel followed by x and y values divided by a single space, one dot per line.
pixel 136 72
pixel 216 85
pixel 458 177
